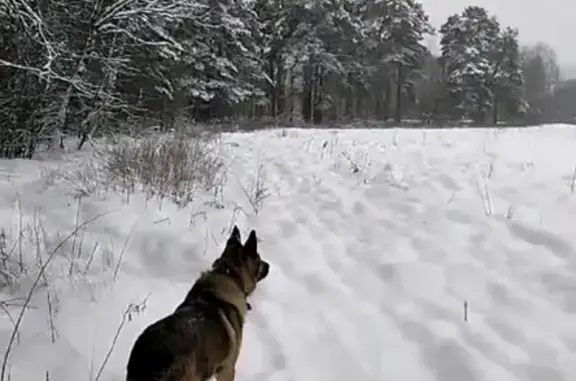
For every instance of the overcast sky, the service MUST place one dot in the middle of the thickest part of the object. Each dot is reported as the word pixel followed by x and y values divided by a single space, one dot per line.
pixel 550 21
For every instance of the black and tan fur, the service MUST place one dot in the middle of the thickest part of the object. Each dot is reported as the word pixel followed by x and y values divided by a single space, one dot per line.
pixel 203 336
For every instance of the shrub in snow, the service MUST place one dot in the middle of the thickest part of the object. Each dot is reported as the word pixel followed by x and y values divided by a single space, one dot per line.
pixel 166 166
pixel 172 166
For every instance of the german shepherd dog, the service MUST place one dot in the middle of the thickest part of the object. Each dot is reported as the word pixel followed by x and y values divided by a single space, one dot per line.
pixel 203 336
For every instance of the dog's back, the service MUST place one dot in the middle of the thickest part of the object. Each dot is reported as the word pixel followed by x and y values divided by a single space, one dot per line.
pixel 186 345
pixel 202 337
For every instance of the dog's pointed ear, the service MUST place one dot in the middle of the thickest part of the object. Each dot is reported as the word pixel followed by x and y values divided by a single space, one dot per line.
pixel 235 235
pixel 251 244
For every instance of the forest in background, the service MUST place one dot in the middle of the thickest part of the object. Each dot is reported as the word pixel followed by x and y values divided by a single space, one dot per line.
pixel 90 67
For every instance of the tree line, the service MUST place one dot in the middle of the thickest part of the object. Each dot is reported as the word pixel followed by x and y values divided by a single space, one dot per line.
pixel 85 66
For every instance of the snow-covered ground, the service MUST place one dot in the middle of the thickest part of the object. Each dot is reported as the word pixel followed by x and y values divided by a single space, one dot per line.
pixel 405 255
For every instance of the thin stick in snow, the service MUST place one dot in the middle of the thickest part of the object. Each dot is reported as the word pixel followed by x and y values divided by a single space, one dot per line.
pixel 484 194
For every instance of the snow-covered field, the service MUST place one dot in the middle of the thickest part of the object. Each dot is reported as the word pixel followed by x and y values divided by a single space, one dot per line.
pixel 405 255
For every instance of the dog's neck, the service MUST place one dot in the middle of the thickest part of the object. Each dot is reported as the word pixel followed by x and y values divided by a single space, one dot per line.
pixel 237 278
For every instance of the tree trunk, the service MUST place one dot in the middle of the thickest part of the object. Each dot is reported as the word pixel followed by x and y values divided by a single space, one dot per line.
pixel 280 89
pixel 307 96
pixel 399 85
pixel 348 100
pixel 290 97
pixel 495 112
pixel 378 105
pixel 387 100
pixel 272 88
pixel 318 95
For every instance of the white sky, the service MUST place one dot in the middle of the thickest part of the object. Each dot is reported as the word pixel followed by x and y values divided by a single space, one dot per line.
pixel 550 21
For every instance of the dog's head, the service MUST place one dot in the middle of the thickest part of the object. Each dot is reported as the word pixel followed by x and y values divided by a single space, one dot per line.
pixel 243 261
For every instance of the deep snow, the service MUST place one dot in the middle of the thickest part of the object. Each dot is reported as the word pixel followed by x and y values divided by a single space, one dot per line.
pixel 376 238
